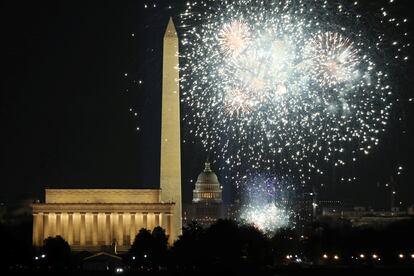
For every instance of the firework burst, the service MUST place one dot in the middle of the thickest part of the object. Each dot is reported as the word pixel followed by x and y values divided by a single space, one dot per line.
pixel 238 102
pixel 332 58
pixel 286 86
pixel 266 203
pixel 234 37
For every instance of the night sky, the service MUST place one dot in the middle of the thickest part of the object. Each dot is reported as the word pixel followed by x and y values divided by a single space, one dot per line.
pixel 67 110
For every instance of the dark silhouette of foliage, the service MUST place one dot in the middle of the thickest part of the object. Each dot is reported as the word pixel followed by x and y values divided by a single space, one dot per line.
pixel 221 243
pixel 143 244
pixel 57 251
pixel 286 240
pixel 150 248
pixel 256 246
pixel 187 249
pixel 224 245
pixel 228 247
pixel 159 251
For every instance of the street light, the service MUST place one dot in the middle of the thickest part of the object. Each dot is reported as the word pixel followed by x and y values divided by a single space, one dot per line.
pixel 362 256
pixel 401 256
pixel 374 256
pixel 336 257
pixel 325 256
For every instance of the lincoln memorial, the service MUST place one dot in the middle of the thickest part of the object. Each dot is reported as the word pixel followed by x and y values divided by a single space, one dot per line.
pixel 92 219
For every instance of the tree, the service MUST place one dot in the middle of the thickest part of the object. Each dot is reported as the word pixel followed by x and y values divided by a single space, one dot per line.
pixel 256 248
pixel 285 241
pixel 57 251
pixel 143 243
pixel 186 251
pixel 159 250
pixel 150 248
pixel 221 244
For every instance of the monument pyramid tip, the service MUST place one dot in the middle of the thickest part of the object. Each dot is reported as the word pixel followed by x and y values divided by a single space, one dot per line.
pixel 170 31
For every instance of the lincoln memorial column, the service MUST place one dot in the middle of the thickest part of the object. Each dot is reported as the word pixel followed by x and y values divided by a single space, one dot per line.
pixel 150 221
pixel 138 222
pixel 58 225
pixel 70 228
pixel 40 226
pixel 101 228
pixel 107 229
pixel 82 229
pixel 127 228
pixel 132 228
pixel 64 225
pixel 114 227
pixel 76 228
pixel 35 232
pixel 52 224
pixel 120 231
pixel 45 225
pixel 88 228
pixel 157 219
pixel 145 220
pixel 95 228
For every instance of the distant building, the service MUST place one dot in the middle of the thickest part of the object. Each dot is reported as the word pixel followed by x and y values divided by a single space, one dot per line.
pixel 207 188
pixel 303 207
pixel 324 206
pixel 103 262
pixel 366 217
pixel 207 203
pixel 410 210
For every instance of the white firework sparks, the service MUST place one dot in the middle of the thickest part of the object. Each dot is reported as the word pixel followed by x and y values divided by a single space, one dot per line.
pixel 234 37
pixel 266 204
pixel 237 102
pixel 267 217
pixel 314 88
pixel 332 58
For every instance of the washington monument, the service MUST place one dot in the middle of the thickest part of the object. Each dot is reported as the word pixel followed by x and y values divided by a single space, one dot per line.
pixel 170 170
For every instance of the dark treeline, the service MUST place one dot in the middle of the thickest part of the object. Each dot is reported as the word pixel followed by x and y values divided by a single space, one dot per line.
pixel 234 247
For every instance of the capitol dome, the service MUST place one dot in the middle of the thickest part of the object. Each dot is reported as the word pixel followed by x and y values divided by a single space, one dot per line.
pixel 207 187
